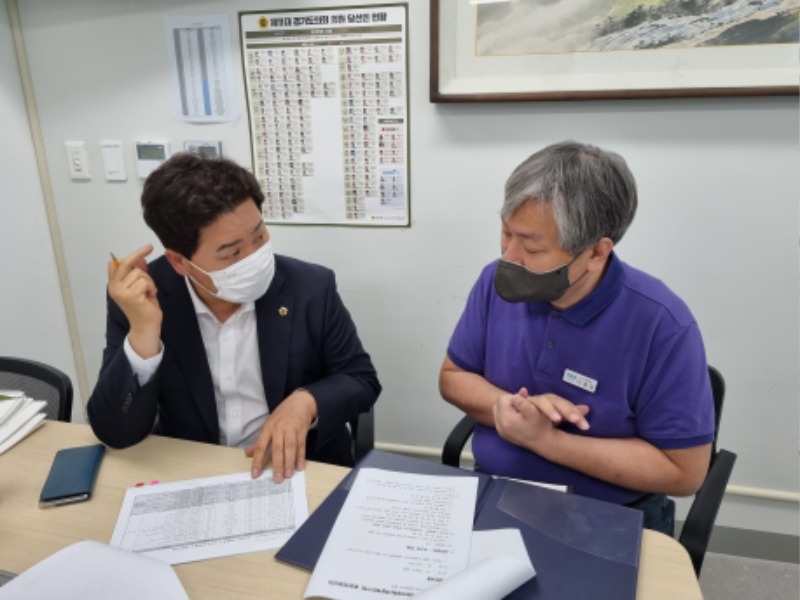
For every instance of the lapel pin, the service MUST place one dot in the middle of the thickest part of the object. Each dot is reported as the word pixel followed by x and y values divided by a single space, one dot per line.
pixel 283 311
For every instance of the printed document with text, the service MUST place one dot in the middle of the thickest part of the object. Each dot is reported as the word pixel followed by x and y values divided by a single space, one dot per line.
pixel 206 518
pixel 397 534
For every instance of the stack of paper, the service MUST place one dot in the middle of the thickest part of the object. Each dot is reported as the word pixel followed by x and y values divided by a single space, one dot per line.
pixel 404 534
pixel 19 415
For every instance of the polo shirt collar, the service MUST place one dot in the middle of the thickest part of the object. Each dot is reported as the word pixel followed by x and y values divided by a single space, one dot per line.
pixel 597 300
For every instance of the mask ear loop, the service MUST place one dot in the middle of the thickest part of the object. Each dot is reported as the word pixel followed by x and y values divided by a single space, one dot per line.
pixel 200 285
pixel 569 264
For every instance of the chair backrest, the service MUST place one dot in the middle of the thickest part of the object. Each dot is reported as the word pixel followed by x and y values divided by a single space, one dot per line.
pixel 718 391
pixel 41 382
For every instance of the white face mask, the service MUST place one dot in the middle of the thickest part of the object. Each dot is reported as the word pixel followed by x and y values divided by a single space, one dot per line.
pixel 243 281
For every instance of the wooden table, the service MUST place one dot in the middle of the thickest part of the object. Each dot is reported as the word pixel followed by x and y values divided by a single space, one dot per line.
pixel 29 534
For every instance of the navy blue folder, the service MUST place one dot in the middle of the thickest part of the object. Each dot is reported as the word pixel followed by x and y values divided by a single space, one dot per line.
pixel 580 547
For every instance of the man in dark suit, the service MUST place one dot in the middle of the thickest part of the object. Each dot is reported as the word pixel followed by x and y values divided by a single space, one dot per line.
pixel 222 341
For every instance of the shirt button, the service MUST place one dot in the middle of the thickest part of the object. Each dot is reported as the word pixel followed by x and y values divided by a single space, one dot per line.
pixel 551 344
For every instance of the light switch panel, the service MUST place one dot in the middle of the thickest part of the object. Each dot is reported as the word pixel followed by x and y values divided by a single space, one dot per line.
pixel 113 160
pixel 78 160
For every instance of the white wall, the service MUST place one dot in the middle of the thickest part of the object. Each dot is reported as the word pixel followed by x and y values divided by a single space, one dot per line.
pixel 718 219
pixel 33 323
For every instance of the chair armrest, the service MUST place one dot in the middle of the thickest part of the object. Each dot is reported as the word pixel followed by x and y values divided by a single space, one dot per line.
pixel 699 523
pixel 454 445
pixel 363 430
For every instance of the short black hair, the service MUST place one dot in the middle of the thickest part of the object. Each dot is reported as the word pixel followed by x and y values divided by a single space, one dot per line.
pixel 189 192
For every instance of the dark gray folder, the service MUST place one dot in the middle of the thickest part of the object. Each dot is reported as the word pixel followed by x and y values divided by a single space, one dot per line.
pixel 580 547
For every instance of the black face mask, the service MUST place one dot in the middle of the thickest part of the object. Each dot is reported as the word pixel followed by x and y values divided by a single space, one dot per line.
pixel 515 283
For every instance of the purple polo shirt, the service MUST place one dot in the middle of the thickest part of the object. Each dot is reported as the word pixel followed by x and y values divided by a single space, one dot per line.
pixel 631 335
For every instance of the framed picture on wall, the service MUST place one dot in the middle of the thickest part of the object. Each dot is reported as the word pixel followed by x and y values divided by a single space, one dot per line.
pixel 502 50
pixel 327 102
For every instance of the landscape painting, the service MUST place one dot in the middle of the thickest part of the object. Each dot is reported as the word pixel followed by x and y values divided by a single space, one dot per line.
pixel 521 27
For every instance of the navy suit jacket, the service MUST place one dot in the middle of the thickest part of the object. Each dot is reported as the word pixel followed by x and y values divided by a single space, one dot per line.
pixel 306 339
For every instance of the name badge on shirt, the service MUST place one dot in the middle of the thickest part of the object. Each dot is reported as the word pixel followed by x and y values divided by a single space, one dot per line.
pixel 580 381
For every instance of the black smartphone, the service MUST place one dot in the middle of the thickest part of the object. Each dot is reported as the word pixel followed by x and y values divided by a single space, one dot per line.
pixel 72 475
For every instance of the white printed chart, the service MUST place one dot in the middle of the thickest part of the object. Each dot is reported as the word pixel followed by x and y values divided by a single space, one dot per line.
pixel 201 65
pixel 207 518
pixel 327 101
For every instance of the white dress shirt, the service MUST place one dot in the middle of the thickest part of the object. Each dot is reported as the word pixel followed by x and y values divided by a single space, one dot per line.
pixel 232 351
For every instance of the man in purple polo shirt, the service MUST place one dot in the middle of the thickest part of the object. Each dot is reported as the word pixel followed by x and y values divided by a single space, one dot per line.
pixel 578 368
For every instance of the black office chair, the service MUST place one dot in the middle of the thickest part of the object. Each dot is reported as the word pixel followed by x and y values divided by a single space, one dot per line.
pixel 699 524
pixel 362 429
pixel 455 442
pixel 40 382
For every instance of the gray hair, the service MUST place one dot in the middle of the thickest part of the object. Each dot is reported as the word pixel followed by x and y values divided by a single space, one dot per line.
pixel 592 192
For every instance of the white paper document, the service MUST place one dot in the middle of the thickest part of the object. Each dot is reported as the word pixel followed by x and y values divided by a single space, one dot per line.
pixel 10 402
pixel 396 535
pixel 207 518
pixel 498 564
pixel 19 416
pixel 93 571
